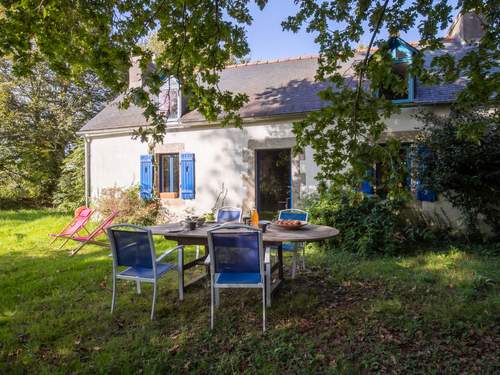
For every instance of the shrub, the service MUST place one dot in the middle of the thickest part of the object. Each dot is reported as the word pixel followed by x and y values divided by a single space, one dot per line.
pixel 370 225
pixel 421 226
pixel 70 191
pixel 465 170
pixel 132 208
pixel 367 225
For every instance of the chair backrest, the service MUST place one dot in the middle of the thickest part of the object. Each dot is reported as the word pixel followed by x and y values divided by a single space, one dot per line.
pixel 236 248
pixel 78 221
pixel 229 214
pixel 293 214
pixel 104 224
pixel 79 209
pixel 132 246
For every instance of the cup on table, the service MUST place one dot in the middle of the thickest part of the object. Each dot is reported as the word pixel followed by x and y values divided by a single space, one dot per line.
pixel 263 226
pixel 189 224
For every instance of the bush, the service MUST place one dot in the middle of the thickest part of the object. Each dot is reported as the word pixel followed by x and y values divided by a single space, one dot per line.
pixel 370 225
pixel 132 208
pixel 367 225
pixel 466 170
pixel 70 191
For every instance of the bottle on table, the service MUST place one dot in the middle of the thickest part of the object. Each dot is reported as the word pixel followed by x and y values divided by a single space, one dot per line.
pixel 254 218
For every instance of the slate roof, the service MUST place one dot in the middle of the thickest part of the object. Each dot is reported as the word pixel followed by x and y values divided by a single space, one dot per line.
pixel 280 87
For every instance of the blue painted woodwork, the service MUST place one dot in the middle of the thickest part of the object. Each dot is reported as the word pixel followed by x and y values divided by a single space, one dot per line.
pixel 187 176
pixel 403 52
pixel 423 194
pixel 146 175
pixel 366 185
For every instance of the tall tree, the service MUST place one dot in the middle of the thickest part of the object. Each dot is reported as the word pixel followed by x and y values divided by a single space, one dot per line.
pixel 40 115
pixel 202 35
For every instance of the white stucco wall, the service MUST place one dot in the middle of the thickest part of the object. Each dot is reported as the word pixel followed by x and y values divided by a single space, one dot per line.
pixel 219 159
pixel 114 161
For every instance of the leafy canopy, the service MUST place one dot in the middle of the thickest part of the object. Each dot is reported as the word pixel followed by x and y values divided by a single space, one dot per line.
pixel 201 36
pixel 40 115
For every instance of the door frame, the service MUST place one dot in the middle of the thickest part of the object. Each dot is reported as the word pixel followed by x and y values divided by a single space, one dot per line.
pixel 257 168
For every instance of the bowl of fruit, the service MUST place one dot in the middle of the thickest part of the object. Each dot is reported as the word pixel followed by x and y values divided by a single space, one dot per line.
pixel 290 224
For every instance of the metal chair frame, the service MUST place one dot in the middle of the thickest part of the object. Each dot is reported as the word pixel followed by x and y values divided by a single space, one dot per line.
pixel 264 268
pixel 225 208
pixel 296 245
pixel 155 261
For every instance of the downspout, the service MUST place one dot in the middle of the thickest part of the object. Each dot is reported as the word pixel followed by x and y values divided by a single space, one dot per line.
pixel 87 170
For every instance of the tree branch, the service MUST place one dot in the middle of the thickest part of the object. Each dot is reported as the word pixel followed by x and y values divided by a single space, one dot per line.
pixel 365 63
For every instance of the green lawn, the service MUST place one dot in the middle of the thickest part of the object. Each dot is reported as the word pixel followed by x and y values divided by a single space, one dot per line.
pixel 436 312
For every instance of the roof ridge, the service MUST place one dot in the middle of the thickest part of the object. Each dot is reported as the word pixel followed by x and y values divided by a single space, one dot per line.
pixel 374 48
pixel 273 61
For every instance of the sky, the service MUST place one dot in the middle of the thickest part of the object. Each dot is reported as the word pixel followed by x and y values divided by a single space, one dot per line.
pixel 268 41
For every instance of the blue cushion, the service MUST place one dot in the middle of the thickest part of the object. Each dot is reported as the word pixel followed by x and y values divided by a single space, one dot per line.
pixel 147 273
pixel 238 278
pixel 289 246
pixel 292 215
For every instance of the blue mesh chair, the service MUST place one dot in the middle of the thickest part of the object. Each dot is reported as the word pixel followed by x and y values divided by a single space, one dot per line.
pixel 225 215
pixel 228 214
pixel 294 214
pixel 237 260
pixel 133 247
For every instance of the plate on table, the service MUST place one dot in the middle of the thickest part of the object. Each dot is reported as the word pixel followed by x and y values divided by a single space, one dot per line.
pixel 290 224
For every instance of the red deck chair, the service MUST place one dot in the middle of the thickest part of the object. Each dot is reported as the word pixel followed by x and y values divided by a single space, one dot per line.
pixel 77 224
pixel 90 238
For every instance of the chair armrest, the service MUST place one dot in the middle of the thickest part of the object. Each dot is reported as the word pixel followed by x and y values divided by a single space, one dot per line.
pixel 267 256
pixel 207 260
pixel 168 252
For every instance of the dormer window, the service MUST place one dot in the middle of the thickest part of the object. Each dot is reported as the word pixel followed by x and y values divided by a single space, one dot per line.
pixel 170 99
pixel 402 56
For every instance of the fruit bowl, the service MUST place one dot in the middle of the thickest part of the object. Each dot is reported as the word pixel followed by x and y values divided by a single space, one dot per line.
pixel 290 224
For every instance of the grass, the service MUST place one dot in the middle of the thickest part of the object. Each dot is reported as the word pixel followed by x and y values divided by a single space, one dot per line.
pixel 434 312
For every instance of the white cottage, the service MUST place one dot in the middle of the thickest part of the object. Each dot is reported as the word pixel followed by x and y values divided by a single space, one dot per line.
pixel 254 164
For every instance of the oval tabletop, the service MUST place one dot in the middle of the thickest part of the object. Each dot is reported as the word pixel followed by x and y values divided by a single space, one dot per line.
pixel 308 233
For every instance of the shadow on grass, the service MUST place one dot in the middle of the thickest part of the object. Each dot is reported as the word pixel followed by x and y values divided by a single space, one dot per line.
pixel 391 314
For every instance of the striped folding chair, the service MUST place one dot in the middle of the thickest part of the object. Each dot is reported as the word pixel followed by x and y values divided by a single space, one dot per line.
pixel 237 260
pixel 75 226
pixel 91 238
pixel 133 247
pixel 294 247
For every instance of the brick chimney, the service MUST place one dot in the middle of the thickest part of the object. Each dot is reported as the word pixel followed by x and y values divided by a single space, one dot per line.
pixel 467 27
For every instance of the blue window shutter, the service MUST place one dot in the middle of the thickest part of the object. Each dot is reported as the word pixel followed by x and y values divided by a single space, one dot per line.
pixel 366 185
pixel 146 190
pixel 409 167
pixel 187 176
pixel 423 194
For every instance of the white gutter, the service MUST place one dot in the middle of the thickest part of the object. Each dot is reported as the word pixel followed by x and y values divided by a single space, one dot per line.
pixel 87 142
pixel 191 125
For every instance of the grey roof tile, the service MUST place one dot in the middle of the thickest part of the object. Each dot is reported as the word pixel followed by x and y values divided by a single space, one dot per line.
pixel 276 88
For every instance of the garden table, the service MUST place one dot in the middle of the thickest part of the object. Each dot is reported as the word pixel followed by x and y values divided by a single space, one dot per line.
pixel 274 236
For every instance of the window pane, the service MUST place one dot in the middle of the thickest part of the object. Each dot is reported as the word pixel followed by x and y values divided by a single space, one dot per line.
pixel 175 178
pixel 400 70
pixel 169 174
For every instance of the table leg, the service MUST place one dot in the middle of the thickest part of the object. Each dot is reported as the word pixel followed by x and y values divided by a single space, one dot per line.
pixel 280 261
pixel 207 268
